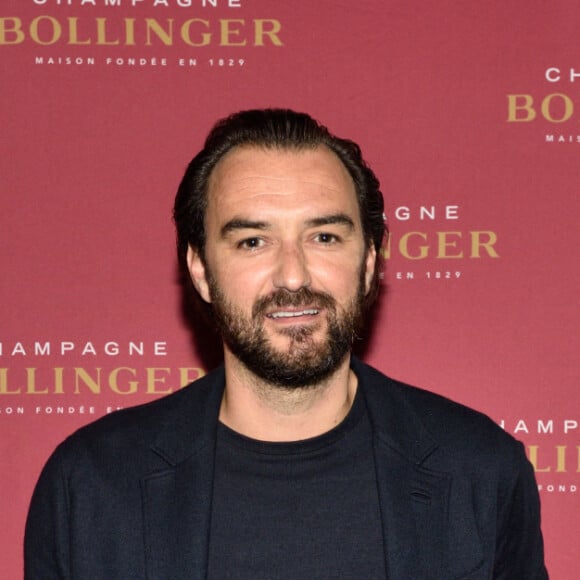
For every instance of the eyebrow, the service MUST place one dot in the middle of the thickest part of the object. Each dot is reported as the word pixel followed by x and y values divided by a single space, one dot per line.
pixel 242 224
pixel 338 218
pixel 236 224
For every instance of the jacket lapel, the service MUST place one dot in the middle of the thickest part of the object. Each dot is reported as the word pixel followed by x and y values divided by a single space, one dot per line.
pixel 413 505
pixel 413 499
pixel 177 499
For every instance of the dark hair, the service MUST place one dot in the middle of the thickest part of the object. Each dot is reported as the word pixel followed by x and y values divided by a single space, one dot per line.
pixel 271 129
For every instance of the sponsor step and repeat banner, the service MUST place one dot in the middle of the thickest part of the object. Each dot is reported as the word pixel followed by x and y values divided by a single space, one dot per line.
pixel 469 114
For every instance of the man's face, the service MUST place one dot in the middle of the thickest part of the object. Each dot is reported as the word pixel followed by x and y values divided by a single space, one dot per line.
pixel 286 265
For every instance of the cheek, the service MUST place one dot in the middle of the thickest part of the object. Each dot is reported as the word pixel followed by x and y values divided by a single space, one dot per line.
pixel 240 286
pixel 239 272
pixel 339 279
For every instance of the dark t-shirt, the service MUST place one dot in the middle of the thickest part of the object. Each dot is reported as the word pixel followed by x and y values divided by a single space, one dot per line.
pixel 301 510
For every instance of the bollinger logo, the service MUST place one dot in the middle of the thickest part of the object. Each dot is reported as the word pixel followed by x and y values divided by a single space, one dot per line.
pixel 122 380
pixel 449 244
pixel 39 379
pixel 554 108
pixel 195 32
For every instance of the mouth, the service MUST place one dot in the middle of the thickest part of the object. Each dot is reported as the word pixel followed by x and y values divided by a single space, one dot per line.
pixel 288 314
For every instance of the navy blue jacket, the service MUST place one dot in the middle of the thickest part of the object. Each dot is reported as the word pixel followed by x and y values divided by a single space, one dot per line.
pixel 129 496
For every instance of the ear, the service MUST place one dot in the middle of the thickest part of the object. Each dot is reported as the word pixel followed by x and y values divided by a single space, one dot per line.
pixel 197 272
pixel 370 266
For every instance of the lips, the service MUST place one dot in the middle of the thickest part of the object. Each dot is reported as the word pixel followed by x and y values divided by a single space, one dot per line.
pixel 283 305
pixel 293 313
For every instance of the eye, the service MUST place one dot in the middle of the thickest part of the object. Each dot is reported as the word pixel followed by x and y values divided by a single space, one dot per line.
pixel 327 238
pixel 250 243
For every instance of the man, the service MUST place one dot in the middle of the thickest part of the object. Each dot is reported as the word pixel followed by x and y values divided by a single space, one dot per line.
pixel 293 460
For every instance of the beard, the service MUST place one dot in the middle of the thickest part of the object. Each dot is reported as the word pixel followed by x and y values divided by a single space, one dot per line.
pixel 305 362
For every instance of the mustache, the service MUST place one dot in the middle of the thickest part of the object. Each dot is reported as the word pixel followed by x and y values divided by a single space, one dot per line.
pixel 302 297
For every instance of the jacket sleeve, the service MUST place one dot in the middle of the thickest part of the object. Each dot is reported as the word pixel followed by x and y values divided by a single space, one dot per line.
pixel 46 539
pixel 520 550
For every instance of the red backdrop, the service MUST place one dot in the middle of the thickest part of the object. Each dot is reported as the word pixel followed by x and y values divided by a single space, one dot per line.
pixel 468 112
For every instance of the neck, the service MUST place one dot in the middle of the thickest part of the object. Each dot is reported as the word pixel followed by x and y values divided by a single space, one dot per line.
pixel 260 410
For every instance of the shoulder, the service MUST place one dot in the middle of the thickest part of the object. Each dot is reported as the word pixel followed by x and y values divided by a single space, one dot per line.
pixel 130 433
pixel 490 481
pixel 455 429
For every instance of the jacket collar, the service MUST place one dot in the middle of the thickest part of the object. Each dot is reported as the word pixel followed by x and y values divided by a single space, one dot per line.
pixel 394 421
pixel 192 417
pixel 190 421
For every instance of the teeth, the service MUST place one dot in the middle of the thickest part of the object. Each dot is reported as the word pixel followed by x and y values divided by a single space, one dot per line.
pixel 293 313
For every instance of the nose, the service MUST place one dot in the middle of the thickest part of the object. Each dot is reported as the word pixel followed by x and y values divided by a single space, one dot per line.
pixel 291 272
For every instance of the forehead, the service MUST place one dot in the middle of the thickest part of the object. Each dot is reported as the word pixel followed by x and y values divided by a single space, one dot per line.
pixel 285 178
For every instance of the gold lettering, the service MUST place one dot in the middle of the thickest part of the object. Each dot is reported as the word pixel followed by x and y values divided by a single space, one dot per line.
pixel 102 33
pixel 568 108
pixel 73 33
pixel 485 240
pixel 152 379
pixel 444 243
pixel 186 36
pixel 166 36
pixel 31 383
pixel 227 32
pixel 533 456
pixel 260 31
pixel 82 381
pixel 515 104
pixel 448 245
pixel 58 380
pixel 114 383
pixel 11 26
pixel 404 246
pixel 4 389
pixel 56 30
pixel 560 458
pixel 47 30
pixel 129 32
pixel 94 385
